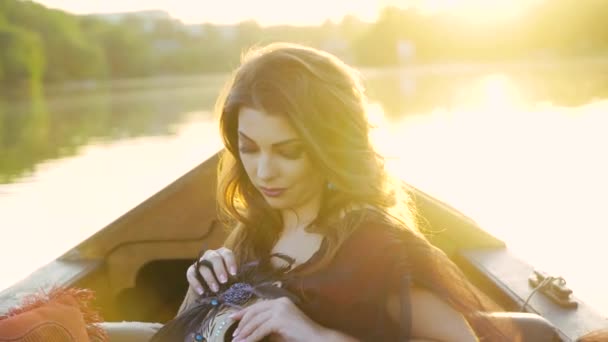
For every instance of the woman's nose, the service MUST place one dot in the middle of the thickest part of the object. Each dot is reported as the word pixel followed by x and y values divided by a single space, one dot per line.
pixel 266 168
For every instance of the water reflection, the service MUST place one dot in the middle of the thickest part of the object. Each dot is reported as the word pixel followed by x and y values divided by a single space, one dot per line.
pixel 418 91
pixel 41 129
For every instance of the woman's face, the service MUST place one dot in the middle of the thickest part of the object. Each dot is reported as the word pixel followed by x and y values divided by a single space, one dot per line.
pixel 276 162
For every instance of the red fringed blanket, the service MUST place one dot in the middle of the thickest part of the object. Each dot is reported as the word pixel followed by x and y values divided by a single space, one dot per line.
pixel 62 314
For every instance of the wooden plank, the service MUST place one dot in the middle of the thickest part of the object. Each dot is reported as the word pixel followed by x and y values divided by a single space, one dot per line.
pixel 56 273
pixel 182 211
pixel 123 263
pixel 449 229
pixel 509 275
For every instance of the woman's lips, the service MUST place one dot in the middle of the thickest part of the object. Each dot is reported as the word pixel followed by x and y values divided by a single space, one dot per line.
pixel 272 192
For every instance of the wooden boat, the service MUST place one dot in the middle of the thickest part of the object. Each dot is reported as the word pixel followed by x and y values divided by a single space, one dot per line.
pixel 136 265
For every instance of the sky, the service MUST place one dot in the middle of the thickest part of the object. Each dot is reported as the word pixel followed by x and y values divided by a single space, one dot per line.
pixel 266 12
pixel 272 12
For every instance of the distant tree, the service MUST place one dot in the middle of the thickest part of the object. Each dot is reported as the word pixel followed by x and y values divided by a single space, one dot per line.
pixel 351 27
pixel 570 27
pixel 125 47
pixel 378 45
pixel 68 53
pixel 21 56
pixel 248 33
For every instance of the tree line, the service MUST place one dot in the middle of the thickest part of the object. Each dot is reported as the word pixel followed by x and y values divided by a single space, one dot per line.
pixel 40 45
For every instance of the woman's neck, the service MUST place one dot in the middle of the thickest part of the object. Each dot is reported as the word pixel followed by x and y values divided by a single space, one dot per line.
pixel 302 216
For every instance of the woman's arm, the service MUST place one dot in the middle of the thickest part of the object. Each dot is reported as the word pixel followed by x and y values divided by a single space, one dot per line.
pixel 188 300
pixel 284 321
pixel 432 318
pixel 336 336
pixel 329 335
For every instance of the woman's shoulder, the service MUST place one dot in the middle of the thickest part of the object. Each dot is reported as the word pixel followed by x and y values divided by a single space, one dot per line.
pixel 374 239
pixel 373 227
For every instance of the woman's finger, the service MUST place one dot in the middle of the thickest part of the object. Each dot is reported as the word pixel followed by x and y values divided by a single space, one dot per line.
pixel 253 309
pixel 207 275
pixel 218 266
pixel 263 330
pixel 229 259
pixel 248 325
pixel 194 280
pixel 209 268
pixel 245 315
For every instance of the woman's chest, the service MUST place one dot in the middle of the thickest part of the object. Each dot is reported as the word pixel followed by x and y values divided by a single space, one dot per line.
pixel 299 245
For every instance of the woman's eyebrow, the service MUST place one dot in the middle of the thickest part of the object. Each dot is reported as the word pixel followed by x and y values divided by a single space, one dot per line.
pixel 280 143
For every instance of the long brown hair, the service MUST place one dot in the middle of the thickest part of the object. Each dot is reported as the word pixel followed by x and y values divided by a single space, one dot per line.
pixel 324 100
pixel 600 335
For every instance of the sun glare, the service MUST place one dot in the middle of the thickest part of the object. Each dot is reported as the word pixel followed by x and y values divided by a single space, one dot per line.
pixel 497 91
pixel 473 11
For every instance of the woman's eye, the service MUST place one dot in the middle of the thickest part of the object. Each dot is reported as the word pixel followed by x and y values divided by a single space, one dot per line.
pixel 246 149
pixel 292 152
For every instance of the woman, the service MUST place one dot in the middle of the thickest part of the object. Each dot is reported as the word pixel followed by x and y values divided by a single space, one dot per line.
pixel 299 177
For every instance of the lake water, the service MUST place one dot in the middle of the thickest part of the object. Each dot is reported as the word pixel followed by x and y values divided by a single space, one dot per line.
pixel 522 149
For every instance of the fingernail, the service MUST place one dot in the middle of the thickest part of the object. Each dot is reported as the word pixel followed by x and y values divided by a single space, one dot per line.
pixel 215 288
pixel 199 290
pixel 236 332
pixel 233 270
pixel 223 278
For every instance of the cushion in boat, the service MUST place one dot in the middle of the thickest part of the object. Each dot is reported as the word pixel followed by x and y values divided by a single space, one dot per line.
pixel 62 314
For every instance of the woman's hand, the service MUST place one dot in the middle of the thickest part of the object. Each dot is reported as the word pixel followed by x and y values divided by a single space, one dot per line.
pixel 279 318
pixel 220 264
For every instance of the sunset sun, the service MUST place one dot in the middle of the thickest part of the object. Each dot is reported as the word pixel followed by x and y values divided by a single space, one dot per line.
pixel 471 11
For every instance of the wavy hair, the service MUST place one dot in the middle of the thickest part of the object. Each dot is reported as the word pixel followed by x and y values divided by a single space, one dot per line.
pixel 324 100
